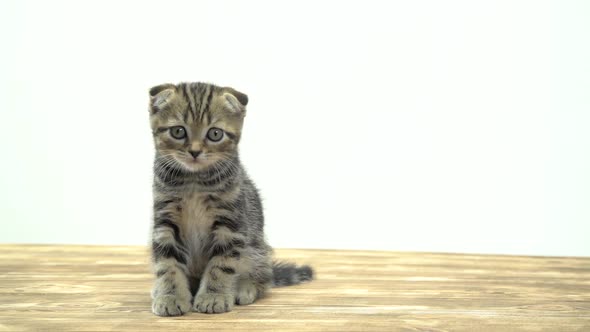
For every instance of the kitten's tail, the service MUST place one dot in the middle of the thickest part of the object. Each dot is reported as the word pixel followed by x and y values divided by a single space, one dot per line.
pixel 287 274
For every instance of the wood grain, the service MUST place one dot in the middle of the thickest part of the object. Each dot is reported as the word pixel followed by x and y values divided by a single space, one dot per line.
pixel 99 288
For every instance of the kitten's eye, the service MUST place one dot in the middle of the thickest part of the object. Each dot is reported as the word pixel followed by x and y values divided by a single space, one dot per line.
pixel 178 132
pixel 215 134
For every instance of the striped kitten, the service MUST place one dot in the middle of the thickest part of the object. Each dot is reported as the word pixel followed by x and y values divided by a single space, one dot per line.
pixel 208 240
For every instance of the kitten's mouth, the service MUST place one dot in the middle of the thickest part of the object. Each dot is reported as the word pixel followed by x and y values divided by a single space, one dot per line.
pixel 191 164
pixel 195 164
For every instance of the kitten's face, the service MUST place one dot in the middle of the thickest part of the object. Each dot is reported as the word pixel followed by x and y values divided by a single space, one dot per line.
pixel 196 125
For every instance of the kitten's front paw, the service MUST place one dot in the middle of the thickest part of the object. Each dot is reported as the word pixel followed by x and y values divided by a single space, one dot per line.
pixel 213 303
pixel 170 305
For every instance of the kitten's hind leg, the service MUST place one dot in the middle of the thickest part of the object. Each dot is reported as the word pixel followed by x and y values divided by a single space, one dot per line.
pixel 255 286
pixel 247 292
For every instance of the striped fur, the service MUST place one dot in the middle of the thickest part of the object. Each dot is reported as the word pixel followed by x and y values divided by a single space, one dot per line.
pixel 208 243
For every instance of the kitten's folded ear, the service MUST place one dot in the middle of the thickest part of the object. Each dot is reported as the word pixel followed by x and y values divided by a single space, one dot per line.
pixel 241 97
pixel 160 95
pixel 159 88
pixel 235 100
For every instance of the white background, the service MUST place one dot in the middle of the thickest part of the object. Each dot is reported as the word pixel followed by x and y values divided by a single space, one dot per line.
pixel 455 126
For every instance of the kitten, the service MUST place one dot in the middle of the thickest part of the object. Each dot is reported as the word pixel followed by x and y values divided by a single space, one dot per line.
pixel 208 240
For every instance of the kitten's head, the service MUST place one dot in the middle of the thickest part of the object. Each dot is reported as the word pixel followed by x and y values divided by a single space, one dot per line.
pixel 196 125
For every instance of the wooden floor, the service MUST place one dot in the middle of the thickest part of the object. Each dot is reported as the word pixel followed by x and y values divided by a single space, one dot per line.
pixel 95 288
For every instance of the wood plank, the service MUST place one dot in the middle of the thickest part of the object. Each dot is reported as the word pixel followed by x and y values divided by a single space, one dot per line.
pixel 100 288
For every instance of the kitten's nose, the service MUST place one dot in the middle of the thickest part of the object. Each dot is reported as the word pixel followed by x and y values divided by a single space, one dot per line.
pixel 195 154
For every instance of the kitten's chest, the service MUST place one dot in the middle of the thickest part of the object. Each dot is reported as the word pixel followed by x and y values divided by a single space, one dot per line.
pixel 197 219
pixel 197 216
